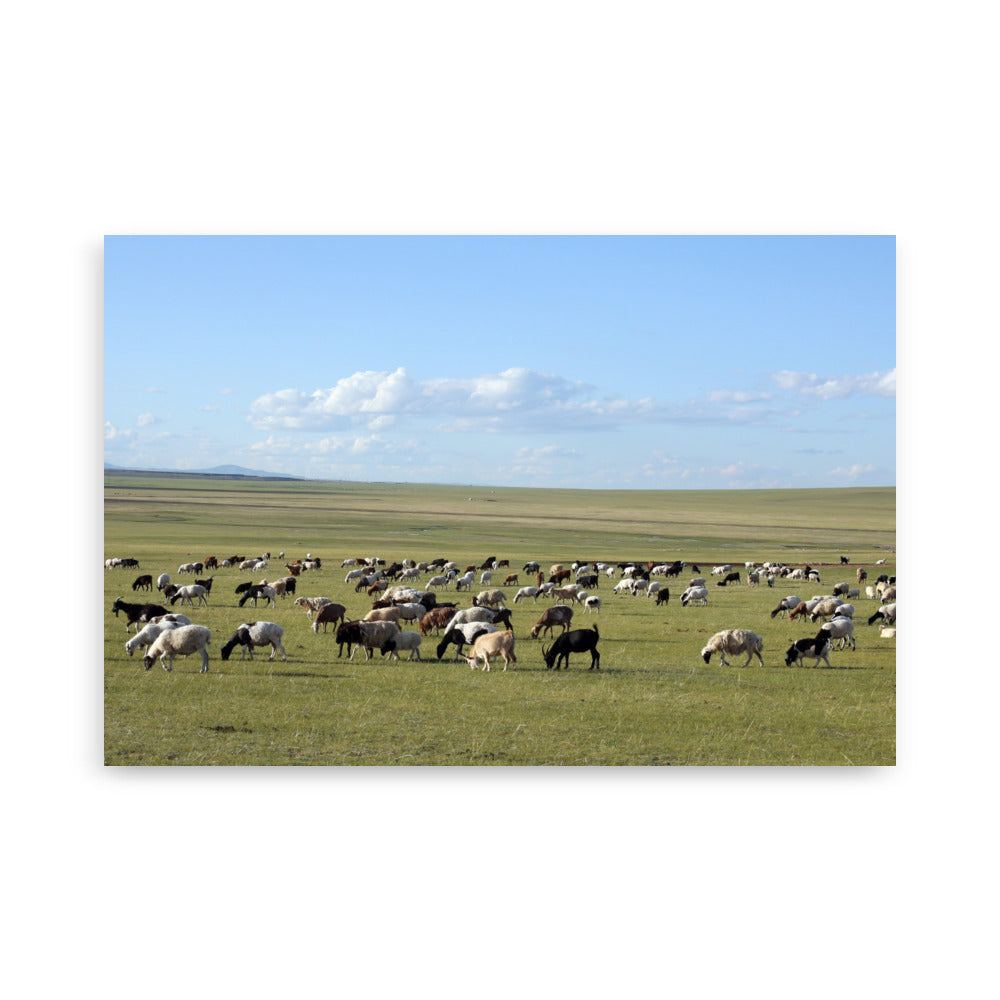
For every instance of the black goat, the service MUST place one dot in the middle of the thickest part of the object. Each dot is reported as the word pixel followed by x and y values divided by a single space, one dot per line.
pixel 143 583
pixel 662 596
pixel 580 640
pixel 730 578
pixel 136 612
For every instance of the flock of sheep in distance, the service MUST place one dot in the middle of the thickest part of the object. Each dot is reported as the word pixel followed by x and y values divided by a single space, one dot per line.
pixel 406 607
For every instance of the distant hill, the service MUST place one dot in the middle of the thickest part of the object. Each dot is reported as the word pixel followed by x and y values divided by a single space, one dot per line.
pixel 223 471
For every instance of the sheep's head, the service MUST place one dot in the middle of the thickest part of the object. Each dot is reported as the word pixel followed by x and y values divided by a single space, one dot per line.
pixel 148 661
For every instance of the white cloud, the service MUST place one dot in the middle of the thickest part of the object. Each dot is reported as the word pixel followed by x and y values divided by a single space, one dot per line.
pixel 112 433
pixel 838 386
pixel 147 419
pixel 851 472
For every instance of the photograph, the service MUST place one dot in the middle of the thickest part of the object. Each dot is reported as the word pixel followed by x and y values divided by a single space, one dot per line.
pixel 530 501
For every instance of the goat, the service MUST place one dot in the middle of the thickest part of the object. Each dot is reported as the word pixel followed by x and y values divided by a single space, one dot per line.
pixel 662 596
pixel 559 614
pixel 733 577
pixel 580 640
pixel 491 645
pixel 136 612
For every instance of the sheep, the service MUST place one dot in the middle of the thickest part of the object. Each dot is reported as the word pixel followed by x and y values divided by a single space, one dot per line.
pixel 734 641
pixel 485 578
pixel 559 614
pixel 181 641
pixel 259 590
pixel 439 581
pixel 311 604
pixel 825 609
pixel 840 628
pixel 841 589
pixel 382 615
pixel 844 611
pixel 250 564
pixel 329 612
pixel 697 581
pixel 172 617
pixel 871 593
pixel 721 570
pixel 251 634
pixel 375 634
pixel 403 641
pixel 886 612
pixel 694 595
pixel 462 634
pixel 593 603
pixel 566 594
pixel 135 613
pixel 143 583
pixel 815 649
pixel 886 633
pixel 148 635
pixel 662 596
pixel 489 598
pixel 580 640
pixel 188 568
pixel 733 577
pixel 786 604
pixel 502 617
pixel 435 620
pixel 186 595
pixel 162 580
pixel 491 645
pixel 526 592
pixel 410 611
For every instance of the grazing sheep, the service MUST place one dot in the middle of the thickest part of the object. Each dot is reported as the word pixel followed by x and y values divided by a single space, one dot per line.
pixel 786 604
pixel 694 595
pixel 186 595
pixel 886 612
pixel 825 609
pixel 311 604
pixel 403 641
pixel 489 598
pixel 410 611
pixel 251 634
pixel 148 635
pixel 841 629
pixel 162 580
pixel 435 620
pixel 172 617
pixel 662 596
pixel 525 593
pixel 374 635
pixel 491 645
pixel 461 634
pixel 814 649
pixel 327 613
pixel 593 603
pixel 734 641
pixel 259 590
pixel 181 641
pixel 143 583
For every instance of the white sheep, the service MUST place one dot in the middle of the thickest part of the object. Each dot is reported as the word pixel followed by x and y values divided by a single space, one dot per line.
pixel 186 595
pixel 411 612
pixel 149 635
pixel 841 629
pixel 172 617
pixel 786 604
pixel 311 604
pixel 525 593
pixel 181 641
pixel 592 603
pixel 403 641
pixel 825 608
pixel 162 580
pixel 694 595
pixel 734 641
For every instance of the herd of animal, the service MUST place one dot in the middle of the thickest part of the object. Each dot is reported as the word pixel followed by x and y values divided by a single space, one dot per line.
pixel 404 610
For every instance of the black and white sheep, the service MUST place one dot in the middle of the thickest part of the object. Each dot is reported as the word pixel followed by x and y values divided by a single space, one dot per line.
pixel 840 629
pixel 814 649
pixel 251 634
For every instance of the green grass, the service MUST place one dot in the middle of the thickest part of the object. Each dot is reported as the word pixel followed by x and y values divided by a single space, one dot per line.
pixel 654 701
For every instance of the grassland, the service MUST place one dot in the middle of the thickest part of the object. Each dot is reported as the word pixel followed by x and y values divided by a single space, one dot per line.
pixel 653 702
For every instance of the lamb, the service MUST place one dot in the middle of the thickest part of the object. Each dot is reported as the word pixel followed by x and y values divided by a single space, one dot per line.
pixel 251 634
pixel 491 645
pixel 186 595
pixel 734 641
pixel 403 641
pixel 148 635
pixel 327 613
pixel 786 604
pixel 842 629
pixel 694 595
pixel 181 641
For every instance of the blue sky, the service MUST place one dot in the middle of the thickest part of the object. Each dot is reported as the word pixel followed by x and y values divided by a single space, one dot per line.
pixel 588 362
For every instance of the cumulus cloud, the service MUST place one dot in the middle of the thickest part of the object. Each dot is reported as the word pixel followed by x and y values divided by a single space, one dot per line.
pixel 837 386
pixel 147 419
pixel 112 433
pixel 850 472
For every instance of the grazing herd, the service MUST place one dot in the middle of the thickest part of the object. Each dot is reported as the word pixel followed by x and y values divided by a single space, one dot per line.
pixel 402 614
